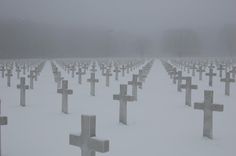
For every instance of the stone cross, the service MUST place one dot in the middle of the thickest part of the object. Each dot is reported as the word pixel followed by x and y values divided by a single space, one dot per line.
pixel 227 81
pixel 135 85
pixel 3 70
pixel 172 72
pixel 211 66
pixel 65 92
pixel 107 74
pixel 92 82
pixel 127 68
pixel 123 98
pixel 188 87
pixel 193 67
pixel 200 70
pixel 87 140
pixel 22 88
pixel 31 76
pixel 93 69
pixel 9 75
pixel 208 107
pixel 211 74
pixel 233 71
pixel 36 72
pixel 72 68
pixel 221 68
pixel 3 121
pixel 85 67
pixel 179 79
pixel 141 76
pixel 102 67
pixel 123 70
pixel 24 69
pixel 80 73
pixel 116 70
pixel 18 71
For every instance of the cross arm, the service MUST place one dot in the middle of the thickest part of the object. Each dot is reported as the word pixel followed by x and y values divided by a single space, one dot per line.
pixel 3 120
pixel 129 98
pixel 199 106
pixel 75 140
pixel 217 107
pixel 116 97
pixel 60 91
pixel 69 91
pixel 194 87
pixel 98 145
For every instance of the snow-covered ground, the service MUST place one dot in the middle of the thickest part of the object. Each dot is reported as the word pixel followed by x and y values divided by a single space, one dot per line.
pixel 158 123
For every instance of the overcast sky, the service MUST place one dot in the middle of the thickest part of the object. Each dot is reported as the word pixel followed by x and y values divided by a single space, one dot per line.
pixel 144 16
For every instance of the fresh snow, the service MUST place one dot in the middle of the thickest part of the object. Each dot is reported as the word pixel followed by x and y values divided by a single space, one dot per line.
pixel 158 123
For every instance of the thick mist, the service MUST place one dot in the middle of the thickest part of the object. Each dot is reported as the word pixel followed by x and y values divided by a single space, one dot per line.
pixel 102 28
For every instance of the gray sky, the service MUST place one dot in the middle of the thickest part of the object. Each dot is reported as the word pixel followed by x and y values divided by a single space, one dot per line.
pixel 146 16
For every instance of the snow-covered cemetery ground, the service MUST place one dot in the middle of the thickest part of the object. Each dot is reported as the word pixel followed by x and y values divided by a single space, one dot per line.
pixel 168 117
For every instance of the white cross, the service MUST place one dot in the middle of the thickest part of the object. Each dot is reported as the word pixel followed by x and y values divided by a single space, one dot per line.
pixel 208 107
pixel 87 140
pixel 123 98
pixel 188 87
pixel 22 88
pixel 92 81
pixel 227 81
pixel 135 83
pixel 65 92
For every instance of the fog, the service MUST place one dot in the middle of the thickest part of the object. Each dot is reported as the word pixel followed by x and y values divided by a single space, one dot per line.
pixel 106 28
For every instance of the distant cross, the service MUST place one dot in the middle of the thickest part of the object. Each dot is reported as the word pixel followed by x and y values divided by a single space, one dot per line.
pixel 140 76
pixel 221 68
pixel 72 68
pixel 9 75
pixel 107 75
pixel 193 67
pixel 135 85
pixel 116 70
pixel 93 68
pixel 3 121
pixel 127 68
pixel 233 71
pixel 31 76
pixel 123 70
pixel 179 79
pixel 85 67
pixel 200 70
pixel 35 77
pixel 65 92
pixel 211 74
pixel 227 81
pixel 211 66
pixel 24 69
pixel 18 71
pixel 123 98
pixel 2 69
pixel 80 73
pixel 188 87
pixel 92 82
pixel 22 88
pixel 87 140
pixel 172 72
pixel 102 67
pixel 208 107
